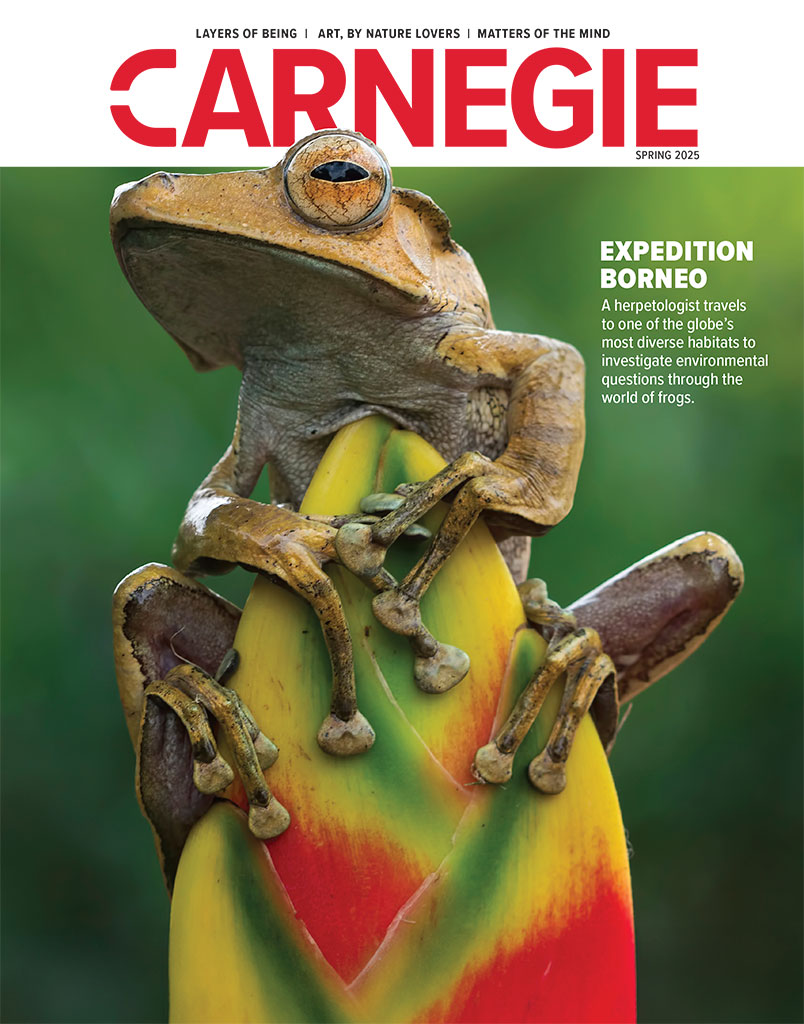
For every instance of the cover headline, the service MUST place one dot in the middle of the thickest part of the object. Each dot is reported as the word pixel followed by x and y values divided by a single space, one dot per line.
pixel 671 251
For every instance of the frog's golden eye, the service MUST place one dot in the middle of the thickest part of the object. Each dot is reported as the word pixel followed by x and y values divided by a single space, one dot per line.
pixel 338 181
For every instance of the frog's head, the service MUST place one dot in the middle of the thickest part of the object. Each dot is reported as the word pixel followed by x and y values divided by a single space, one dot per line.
pixel 220 259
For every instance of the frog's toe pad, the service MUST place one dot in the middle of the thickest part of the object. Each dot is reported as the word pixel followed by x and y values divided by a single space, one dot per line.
pixel 397 612
pixel 212 777
pixel 540 610
pixel 265 750
pixel 491 765
pixel 343 739
pixel 268 821
pixel 533 594
pixel 358 551
pixel 379 503
pixel 546 775
pixel 442 670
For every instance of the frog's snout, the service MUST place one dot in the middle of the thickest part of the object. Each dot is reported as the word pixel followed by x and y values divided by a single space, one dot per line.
pixel 153 185
pixel 166 179
pixel 156 184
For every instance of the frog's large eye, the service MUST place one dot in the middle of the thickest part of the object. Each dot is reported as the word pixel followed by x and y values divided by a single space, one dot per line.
pixel 338 181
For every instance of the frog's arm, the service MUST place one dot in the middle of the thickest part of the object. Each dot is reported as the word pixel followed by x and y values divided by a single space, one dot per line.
pixel 528 489
pixel 222 527
pixel 534 478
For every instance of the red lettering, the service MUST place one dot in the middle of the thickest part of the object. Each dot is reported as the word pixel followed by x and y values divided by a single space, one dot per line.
pixel 414 111
pixel 579 99
pixel 614 97
pixel 245 118
pixel 144 134
pixel 287 102
pixel 458 97
pixel 649 97
pixel 372 76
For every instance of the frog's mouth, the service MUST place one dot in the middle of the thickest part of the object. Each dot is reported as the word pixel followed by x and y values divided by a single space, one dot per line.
pixel 220 294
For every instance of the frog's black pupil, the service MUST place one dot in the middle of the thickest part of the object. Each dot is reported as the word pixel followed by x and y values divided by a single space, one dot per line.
pixel 339 170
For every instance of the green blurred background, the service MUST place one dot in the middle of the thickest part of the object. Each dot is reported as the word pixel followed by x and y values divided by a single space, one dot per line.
pixel 107 430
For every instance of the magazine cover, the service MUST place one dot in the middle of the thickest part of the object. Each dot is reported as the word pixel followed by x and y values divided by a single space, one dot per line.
pixel 486 298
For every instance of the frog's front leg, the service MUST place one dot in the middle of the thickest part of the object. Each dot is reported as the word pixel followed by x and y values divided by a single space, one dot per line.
pixel 528 489
pixel 172 645
pixel 646 619
pixel 222 528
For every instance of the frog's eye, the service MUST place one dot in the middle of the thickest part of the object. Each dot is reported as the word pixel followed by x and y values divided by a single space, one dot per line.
pixel 338 181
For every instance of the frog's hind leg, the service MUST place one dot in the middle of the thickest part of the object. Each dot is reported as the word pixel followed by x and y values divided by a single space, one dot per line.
pixel 656 613
pixel 572 652
pixel 172 635
pixel 647 619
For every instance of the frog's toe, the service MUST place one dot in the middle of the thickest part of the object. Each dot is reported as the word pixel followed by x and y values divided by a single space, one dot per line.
pixel 398 612
pixel 544 613
pixel 418 531
pixel 345 738
pixel 437 667
pixel 441 671
pixel 266 751
pixel 380 503
pixel 194 695
pixel 211 773
pixel 212 777
pixel 269 821
pixel 579 659
pixel 358 551
pixel 547 775
pixel 492 765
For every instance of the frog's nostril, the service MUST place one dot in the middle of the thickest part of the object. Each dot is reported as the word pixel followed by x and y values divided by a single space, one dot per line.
pixel 339 170
pixel 168 180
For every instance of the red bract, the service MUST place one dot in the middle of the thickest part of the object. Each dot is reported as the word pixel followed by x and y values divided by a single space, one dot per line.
pixel 403 890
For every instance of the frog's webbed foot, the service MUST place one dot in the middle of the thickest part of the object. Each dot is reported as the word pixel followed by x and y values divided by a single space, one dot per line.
pixel 193 695
pixel 362 549
pixel 573 652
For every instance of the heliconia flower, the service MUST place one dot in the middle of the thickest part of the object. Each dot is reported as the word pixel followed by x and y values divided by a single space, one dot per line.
pixel 403 890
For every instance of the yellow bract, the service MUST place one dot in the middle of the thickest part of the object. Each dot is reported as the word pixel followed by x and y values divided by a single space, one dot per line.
pixel 401 885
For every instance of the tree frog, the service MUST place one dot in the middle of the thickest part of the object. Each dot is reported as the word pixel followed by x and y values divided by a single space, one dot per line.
pixel 340 296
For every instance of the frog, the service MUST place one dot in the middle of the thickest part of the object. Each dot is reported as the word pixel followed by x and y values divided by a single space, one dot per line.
pixel 338 296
